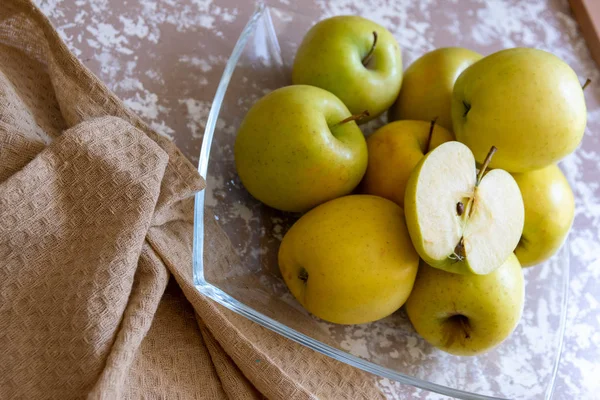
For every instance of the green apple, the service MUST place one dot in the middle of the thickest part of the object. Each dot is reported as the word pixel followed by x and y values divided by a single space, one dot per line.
pixel 467 315
pixel 427 85
pixel 526 102
pixel 394 150
pixel 298 147
pixel 549 211
pixel 458 220
pixel 354 58
pixel 350 260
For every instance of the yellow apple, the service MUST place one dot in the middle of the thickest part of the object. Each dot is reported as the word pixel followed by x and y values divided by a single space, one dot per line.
pixel 354 58
pixel 467 315
pixel 526 102
pixel 460 220
pixel 394 150
pixel 549 210
pixel 296 148
pixel 350 260
pixel 427 85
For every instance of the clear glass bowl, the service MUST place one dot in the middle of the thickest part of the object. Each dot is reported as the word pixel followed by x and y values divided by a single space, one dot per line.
pixel 245 277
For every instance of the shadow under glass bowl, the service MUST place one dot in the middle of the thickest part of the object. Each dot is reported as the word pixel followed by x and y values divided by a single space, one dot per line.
pixel 235 256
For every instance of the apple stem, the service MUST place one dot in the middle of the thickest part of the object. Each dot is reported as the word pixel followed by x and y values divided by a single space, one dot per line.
pixel 523 242
pixel 354 117
pixel 369 55
pixel 431 126
pixel 486 162
pixel 467 108
pixel 465 327
pixel 303 275
pixel 587 82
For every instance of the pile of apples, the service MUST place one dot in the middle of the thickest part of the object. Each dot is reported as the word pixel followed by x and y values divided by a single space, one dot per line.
pixel 437 210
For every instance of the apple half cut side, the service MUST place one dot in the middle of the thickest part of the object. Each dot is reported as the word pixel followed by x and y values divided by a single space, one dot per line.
pixel 458 221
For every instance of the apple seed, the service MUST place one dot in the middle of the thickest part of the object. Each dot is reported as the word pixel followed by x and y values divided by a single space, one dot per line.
pixel 460 208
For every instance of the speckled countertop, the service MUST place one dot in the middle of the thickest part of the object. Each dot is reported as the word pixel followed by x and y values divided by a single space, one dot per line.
pixel 164 58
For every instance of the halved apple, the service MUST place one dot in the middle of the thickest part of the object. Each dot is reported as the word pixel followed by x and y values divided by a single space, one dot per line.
pixel 460 220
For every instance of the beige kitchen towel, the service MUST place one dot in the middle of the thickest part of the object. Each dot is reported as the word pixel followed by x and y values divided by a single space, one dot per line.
pixel 96 293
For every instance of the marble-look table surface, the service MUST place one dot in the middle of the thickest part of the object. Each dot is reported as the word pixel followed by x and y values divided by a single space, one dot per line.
pixel 164 58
